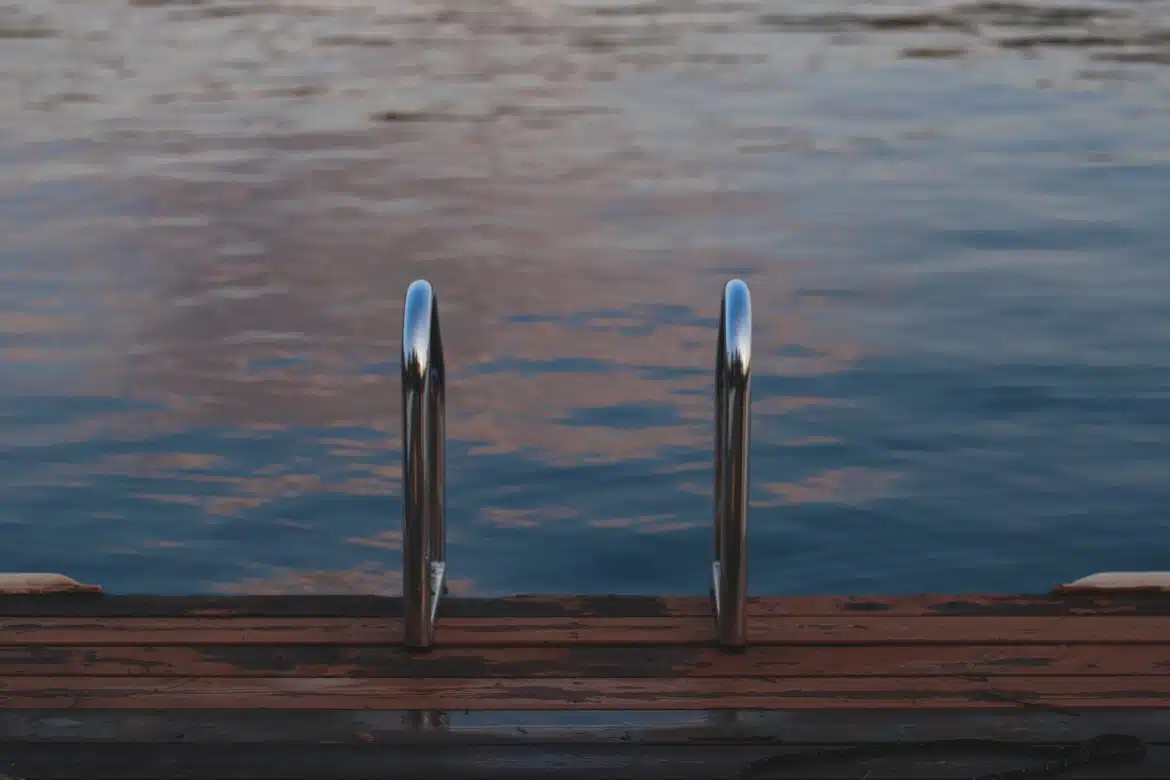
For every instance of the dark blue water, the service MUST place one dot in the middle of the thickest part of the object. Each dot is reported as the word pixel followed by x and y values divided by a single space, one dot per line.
pixel 952 219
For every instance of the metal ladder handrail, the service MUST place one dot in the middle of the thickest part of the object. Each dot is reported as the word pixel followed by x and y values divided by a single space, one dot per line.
pixel 424 465
pixel 424 477
pixel 733 385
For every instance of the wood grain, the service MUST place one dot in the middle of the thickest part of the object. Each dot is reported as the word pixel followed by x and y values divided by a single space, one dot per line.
pixel 861 629
pixel 573 653
pixel 586 693
pixel 663 661
pixel 87 761
pixel 541 606
pixel 347 631
pixel 795 727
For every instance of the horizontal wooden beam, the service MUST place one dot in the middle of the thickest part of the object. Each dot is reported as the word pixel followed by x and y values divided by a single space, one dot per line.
pixel 468 632
pixel 645 727
pixel 334 693
pixel 629 661
pixel 89 761
pixel 567 606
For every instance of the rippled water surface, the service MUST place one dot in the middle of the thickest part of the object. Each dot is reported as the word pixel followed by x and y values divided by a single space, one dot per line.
pixel 953 219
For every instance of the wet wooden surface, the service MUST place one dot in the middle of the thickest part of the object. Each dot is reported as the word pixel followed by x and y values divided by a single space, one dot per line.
pixel 550 653
pixel 1140 602
pixel 616 762
pixel 103 686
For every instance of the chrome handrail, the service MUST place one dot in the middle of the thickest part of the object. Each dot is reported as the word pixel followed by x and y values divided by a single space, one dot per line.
pixel 733 390
pixel 424 476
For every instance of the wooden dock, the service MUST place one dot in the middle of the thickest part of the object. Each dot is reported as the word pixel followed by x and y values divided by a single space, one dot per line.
pixel 1071 684
pixel 606 687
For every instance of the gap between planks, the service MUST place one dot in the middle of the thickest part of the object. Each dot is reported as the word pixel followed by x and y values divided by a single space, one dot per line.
pixel 1057 693
pixel 853 630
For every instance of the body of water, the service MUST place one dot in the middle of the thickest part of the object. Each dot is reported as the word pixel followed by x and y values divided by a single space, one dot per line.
pixel 953 218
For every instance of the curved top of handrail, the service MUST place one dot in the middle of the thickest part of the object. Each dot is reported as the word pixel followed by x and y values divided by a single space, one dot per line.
pixel 421 339
pixel 735 330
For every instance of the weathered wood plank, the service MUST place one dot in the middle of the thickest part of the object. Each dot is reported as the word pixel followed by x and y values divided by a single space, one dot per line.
pixel 348 606
pixel 861 629
pixel 538 606
pixel 585 693
pixel 647 727
pixel 87 761
pixel 662 661
pixel 90 632
pixel 962 605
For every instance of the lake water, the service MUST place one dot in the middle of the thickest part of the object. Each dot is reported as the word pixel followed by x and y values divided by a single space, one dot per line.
pixel 952 217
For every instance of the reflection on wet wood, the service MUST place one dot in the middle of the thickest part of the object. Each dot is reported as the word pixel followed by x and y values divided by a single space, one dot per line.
pixel 628 694
pixel 614 661
pixel 116 686
pixel 760 727
pixel 514 762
